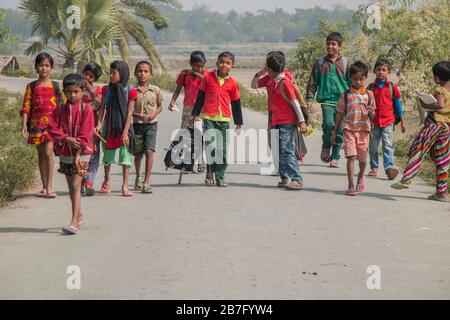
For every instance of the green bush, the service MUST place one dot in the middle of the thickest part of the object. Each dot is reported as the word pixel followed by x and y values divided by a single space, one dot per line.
pixel 252 100
pixel 165 82
pixel 18 161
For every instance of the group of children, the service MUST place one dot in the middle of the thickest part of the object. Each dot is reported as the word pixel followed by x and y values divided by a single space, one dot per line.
pixel 125 118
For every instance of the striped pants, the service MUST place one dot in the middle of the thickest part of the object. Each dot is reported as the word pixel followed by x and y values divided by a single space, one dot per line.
pixel 433 138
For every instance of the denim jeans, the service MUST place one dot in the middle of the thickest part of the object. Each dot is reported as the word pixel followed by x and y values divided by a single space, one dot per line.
pixel 288 163
pixel 94 163
pixel 386 135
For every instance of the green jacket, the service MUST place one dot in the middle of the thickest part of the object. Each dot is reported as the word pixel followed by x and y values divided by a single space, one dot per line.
pixel 328 80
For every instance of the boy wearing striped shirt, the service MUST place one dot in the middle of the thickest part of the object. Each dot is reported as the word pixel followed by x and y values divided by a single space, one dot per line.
pixel 355 110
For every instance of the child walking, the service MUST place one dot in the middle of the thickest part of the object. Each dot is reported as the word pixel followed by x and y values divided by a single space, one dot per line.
pixel 217 99
pixel 433 137
pixel 117 105
pixel 147 108
pixel 92 95
pixel 356 107
pixel 389 110
pixel 328 80
pixel 286 117
pixel 71 127
pixel 191 79
pixel 41 99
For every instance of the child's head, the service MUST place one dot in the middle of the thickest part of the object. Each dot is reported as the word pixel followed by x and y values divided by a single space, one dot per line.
pixel 225 63
pixel 92 72
pixel 441 72
pixel 276 63
pixel 382 69
pixel 119 73
pixel 358 74
pixel 334 43
pixel 143 71
pixel 73 87
pixel 43 64
pixel 198 61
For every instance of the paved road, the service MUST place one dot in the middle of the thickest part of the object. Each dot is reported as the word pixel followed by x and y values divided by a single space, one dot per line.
pixel 250 241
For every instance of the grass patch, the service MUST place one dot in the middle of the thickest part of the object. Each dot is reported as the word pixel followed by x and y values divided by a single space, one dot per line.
pixel 18 161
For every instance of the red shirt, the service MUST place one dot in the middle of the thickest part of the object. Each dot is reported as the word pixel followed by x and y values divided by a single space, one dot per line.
pixel 191 86
pixel 87 98
pixel 69 121
pixel 282 111
pixel 217 96
pixel 384 113
pixel 268 83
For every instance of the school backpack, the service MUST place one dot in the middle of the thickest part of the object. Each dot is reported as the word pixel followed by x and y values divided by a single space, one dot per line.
pixel 33 85
pixel 344 60
pixel 392 93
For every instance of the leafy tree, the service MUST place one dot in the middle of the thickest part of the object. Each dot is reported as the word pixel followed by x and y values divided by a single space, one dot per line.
pixel 8 41
pixel 102 24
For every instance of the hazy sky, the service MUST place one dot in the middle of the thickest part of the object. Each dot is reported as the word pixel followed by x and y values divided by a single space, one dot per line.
pixel 243 5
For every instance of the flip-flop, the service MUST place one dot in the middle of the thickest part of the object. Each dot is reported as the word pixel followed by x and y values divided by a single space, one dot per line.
pixel 351 192
pixel 325 155
pixel 51 195
pixel 70 230
pixel 436 197
pixel 400 186
pixel 361 186
pixel 373 173
pixel 42 194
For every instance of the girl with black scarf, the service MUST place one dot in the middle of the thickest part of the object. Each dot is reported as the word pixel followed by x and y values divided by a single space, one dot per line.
pixel 118 101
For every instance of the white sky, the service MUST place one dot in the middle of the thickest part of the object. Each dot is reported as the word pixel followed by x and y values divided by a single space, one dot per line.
pixel 244 5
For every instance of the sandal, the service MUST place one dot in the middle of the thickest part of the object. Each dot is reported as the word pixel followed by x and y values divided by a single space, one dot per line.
pixel 139 183
pixel 106 188
pixel 373 172
pixel 222 184
pixel 325 155
pixel 361 186
pixel 70 230
pixel 351 192
pixel 42 194
pixel 282 184
pixel 400 185
pixel 334 164
pixel 209 180
pixel 294 185
pixel 51 195
pixel 437 197
pixel 147 189
pixel 127 194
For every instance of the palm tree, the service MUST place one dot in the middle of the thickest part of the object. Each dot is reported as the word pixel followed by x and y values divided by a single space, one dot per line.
pixel 103 23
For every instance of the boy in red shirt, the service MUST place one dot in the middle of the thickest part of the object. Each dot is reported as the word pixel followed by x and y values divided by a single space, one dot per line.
pixel 389 106
pixel 217 99
pixel 286 117
pixel 72 127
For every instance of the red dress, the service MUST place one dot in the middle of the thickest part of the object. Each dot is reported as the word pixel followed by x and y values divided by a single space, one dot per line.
pixel 41 104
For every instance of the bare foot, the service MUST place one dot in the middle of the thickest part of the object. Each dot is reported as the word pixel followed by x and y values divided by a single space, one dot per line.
pixel 126 192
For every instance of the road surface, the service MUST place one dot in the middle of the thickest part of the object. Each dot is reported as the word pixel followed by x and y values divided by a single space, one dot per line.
pixel 249 241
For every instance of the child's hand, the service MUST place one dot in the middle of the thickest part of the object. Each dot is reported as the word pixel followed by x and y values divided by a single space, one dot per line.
pixel 173 106
pixel 89 88
pixel 25 131
pixel 125 139
pixel 78 162
pixel 309 106
pixel 238 130
pixel 98 130
pixel 403 126
pixel 303 127
pixel 191 119
pixel 72 142
pixel 333 138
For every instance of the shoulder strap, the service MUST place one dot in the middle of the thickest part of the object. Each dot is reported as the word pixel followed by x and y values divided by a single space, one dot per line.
pixel 370 87
pixel 33 86
pixel 346 92
pixel 345 62
pixel 391 90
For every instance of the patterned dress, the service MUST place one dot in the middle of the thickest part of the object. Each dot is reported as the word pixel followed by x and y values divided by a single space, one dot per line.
pixel 40 104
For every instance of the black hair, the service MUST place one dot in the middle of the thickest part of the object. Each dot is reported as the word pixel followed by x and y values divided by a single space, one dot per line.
pixel 359 67
pixel 149 64
pixel 335 36
pixel 95 69
pixel 227 54
pixel 197 57
pixel 442 70
pixel 276 61
pixel 383 62
pixel 73 79
pixel 272 52
pixel 43 56
pixel 114 65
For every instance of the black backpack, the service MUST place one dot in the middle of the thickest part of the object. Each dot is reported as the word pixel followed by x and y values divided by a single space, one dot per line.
pixel 33 85
pixel 176 153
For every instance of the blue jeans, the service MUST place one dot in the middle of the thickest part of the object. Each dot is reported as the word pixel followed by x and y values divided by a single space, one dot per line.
pixel 288 163
pixel 94 163
pixel 386 135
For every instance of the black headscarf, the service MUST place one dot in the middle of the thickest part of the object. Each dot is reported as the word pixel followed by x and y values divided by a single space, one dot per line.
pixel 117 104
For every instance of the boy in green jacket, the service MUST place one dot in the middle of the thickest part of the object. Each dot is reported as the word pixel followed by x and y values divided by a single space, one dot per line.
pixel 328 80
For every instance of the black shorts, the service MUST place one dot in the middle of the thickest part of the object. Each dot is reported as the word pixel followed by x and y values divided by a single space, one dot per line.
pixel 145 134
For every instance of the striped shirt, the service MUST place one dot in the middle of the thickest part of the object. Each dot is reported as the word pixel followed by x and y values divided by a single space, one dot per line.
pixel 357 111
